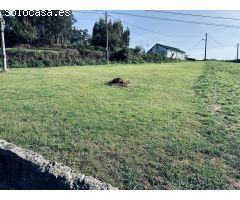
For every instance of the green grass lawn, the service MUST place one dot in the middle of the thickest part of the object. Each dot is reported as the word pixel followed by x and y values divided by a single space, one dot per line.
pixel 176 127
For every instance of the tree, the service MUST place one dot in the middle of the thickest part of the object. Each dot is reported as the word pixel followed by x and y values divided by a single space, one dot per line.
pixel 54 29
pixel 126 37
pixel 48 29
pixel 26 31
pixel 99 33
pixel 139 49
pixel 79 36
pixel 118 37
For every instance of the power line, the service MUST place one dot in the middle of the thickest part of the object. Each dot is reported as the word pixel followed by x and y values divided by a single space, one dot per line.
pixel 176 20
pixel 89 19
pixel 89 12
pixel 219 43
pixel 195 15
pixel 155 32
pixel 211 47
pixel 222 45
pixel 140 27
pixel 143 28
pixel 225 46
pixel 214 44
pixel 200 41
pixel 142 35
pixel 133 25
pixel 163 34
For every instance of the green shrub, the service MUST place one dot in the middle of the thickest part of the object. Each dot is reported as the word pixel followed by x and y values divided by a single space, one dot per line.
pixel 120 55
pixel 78 56
pixel 154 58
pixel 48 58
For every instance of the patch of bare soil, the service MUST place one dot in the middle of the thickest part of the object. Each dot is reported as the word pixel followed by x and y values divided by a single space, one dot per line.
pixel 119 82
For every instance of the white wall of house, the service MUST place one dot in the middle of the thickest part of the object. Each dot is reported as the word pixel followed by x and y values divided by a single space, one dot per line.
pixel 168 53
pixel 175 55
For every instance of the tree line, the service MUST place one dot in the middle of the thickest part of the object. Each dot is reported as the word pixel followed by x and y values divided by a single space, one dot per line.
pixel 76 45
pixel 55 29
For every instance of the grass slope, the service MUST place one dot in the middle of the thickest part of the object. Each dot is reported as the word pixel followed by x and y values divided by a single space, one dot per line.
pixel 219 113
pixel 157 134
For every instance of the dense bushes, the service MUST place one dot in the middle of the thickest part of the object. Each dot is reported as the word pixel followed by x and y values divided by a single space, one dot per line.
pixel 154 58
pixel 132 56
pixel 79 56
pixel 47 58
pixel 120 55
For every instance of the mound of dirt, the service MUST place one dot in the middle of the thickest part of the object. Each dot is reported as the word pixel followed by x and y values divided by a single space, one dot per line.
pixel 119 82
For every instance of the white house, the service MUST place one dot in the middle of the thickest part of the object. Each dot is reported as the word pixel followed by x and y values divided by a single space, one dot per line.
pixel 169 52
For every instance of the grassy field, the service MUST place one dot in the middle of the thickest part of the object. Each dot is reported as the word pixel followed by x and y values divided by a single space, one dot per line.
pixel 176 127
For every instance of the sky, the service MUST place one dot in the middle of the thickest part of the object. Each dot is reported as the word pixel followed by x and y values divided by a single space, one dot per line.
pixel 222 41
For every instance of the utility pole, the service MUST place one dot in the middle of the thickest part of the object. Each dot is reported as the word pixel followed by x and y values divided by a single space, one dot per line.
pixel 2 24
pixel 205 53
pixel 107 50
pixel 237 50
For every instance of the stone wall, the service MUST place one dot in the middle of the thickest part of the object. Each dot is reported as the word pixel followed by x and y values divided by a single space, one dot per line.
pixel 24 169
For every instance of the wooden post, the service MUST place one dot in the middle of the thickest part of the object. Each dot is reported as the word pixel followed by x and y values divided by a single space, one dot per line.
pixel 2 24
pixel 237 50
pixel 205 53
pixel 107 48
